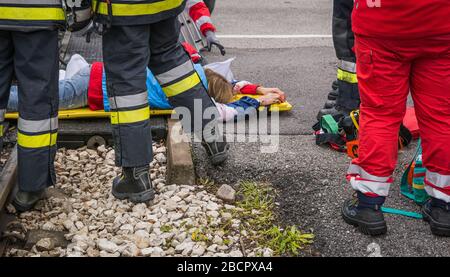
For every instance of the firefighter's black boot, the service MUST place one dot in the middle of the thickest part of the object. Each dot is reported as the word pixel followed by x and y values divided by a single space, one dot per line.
pixel 217 151
pixel 365 213
pixel 134 184
pixel 25 200
pixel 437 213
pixel 331 111
pixel 329 104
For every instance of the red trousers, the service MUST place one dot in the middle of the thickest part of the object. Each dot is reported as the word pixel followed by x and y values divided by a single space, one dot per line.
pixel 387 71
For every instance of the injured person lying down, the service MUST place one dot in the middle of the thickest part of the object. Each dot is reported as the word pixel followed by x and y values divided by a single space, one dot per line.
pixel 84 85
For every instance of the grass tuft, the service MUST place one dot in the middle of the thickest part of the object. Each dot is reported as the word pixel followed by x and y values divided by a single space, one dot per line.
pixel 256 211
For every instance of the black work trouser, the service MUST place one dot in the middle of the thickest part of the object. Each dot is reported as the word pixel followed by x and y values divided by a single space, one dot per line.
pixel 343 39
pixel 33 58
pixel 127 51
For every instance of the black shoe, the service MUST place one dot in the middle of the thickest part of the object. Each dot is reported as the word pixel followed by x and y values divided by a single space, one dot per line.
pixel 134 184
pixel 438 216
pixel 25 200
pixel 329 104
pixel 369 221
pixel 217 151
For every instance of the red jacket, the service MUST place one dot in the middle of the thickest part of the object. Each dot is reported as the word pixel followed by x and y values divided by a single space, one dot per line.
pixel 405 19
pixel 199 12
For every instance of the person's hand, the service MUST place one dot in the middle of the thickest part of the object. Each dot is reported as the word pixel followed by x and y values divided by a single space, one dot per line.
pixel 264 91
pixel 211 39
pixel 269 99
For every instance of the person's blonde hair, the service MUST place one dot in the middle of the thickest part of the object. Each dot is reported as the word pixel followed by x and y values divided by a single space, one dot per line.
pixel 218 87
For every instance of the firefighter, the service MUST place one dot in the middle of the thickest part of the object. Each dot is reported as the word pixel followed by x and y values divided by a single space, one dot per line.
pixel 401 47
pixel 29 51
pixel 140 33
pixel 344 96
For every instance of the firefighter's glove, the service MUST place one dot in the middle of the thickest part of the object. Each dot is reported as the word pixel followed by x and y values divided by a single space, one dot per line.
pixel 211 38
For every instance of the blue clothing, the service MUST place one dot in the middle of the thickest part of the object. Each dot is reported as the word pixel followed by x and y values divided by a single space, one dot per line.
pixel 73 95
pixel 72 92
pixel 156 97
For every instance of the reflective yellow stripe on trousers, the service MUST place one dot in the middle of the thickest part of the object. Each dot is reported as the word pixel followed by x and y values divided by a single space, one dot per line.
pixel 133 9
pixel 37 141
pixel 347 76
pixel 182 86
pixel 45 130
pixel 34 13
pixel 123 117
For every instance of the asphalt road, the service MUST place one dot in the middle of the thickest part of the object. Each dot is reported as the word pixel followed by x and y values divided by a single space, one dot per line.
pixel 281 51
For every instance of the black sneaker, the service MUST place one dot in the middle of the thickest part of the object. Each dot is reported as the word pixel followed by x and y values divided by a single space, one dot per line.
pixel 438 216
pixel 369 221
pixel 25 200
pixel 134 184
pixel 217 151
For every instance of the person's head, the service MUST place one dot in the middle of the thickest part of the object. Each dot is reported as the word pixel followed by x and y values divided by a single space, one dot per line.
pixel 218 87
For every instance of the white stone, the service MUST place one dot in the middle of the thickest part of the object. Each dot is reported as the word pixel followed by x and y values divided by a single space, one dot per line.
pixel 214 214
pixel 226 193
pixel 45 244
pixel 236 253
pixel 198 250
pixel 170 205
pixel 211 206
pixel 160 157
pixel 128 228
pixel 217 240
pixel 48 226
pixel 146 252
pixel 108 246
pixel 157 252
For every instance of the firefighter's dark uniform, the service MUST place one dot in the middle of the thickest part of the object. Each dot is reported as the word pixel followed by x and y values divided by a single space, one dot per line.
pixel 29 51
pixel 343 38
pixel 145 33
pixel 345 94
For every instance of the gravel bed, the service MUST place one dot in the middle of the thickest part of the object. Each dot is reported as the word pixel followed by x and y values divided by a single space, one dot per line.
pixel 181 221
pixel 9 140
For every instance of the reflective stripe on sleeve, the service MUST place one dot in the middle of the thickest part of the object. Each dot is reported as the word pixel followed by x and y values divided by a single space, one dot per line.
pixel 191 3
pixel 31 13
pixel 202 20
pixel 135 9
pixel 31 2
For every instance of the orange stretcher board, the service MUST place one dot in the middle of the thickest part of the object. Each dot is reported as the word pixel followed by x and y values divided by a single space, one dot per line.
pixel 87 113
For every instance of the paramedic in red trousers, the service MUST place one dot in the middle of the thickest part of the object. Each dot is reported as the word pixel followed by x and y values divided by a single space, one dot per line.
pixel 401 47
pixel 29 51
pixel 140 33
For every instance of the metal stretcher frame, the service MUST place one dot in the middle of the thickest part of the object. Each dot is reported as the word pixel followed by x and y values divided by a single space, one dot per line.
pixel 190 32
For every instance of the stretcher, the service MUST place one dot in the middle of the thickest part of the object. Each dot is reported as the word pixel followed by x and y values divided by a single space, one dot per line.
pixel 87 113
